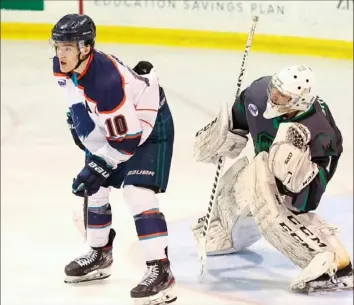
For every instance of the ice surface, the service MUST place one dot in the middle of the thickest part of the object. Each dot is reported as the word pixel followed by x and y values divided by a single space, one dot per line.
pixel 39 160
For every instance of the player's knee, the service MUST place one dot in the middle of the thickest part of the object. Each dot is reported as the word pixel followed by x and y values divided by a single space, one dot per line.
pixel 140 199
pixel 99 199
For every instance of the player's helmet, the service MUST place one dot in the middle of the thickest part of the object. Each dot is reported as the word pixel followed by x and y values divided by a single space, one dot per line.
pixel 75 27
pixel 289 90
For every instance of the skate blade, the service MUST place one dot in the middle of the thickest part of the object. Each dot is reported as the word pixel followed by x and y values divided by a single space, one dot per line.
pixel 323 291
pixel 335 287
pixel 92 276
pixel 166 296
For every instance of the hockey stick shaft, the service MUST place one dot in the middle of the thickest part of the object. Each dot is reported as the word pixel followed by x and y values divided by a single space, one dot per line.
pixel 221 161
pixel 85 211
pixel 85 206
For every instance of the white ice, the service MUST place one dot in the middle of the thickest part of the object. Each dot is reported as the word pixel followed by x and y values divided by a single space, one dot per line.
pixel 39 160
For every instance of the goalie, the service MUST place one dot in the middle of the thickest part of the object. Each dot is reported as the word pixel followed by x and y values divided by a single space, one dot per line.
pixel 297 147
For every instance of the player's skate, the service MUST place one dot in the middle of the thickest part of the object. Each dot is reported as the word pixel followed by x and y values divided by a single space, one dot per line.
pixel 156 287
pixel 341 280
pixel 95 265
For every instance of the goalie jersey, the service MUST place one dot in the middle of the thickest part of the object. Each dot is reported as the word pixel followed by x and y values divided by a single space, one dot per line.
pixel 325 145
pixel 113 108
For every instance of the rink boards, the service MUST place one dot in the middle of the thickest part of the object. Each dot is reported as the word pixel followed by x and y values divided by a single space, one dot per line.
pixel 285 27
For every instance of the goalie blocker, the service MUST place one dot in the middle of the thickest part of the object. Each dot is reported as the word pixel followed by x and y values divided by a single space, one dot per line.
pixel 297 151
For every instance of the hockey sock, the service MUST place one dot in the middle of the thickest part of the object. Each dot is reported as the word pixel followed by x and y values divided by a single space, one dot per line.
pixel 99 222
pixel 152 232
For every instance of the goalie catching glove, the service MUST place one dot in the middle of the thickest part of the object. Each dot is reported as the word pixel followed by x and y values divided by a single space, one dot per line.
pixel 217 140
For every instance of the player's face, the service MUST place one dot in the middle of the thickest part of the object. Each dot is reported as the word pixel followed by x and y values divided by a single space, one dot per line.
pixel 279 98
pixel 68 55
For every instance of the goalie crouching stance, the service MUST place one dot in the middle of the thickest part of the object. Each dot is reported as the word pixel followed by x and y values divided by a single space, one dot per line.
pixel 297 148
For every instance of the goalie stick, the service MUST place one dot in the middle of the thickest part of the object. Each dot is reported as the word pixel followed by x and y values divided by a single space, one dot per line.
pixel 221 161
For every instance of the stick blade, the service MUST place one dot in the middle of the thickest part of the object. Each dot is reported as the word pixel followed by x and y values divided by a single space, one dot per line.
pixel 202 258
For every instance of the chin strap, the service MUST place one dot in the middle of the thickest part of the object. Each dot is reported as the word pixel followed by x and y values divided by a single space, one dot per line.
pixel 80 61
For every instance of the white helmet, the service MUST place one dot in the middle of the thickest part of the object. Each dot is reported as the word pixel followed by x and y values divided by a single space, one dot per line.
pixel 289 90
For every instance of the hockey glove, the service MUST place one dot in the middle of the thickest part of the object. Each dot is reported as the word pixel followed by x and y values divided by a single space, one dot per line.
pixel 76 138
pixel 143 67
pixel 91 177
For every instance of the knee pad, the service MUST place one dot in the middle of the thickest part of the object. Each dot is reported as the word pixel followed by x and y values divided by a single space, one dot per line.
pixel 140 199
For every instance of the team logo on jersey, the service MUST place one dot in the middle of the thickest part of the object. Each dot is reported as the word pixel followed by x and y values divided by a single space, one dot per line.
pixel 263 142
pixel 83 123
pixel 253 109
pixel 62 82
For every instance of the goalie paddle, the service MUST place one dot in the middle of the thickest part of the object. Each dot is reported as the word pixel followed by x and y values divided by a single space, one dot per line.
pixel 221 161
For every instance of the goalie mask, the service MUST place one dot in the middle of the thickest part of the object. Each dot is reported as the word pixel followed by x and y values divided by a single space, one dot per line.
pixel 290 90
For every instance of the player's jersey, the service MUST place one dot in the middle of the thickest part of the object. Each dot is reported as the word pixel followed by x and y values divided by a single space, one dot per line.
pixel 113 109
pixel 326 139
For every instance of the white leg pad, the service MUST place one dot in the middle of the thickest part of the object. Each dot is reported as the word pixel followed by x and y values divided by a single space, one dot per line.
pixel 306 240
pixel 327 262
pixel 279 226
pixel 322 263
pixel 328 233
pixel 232 227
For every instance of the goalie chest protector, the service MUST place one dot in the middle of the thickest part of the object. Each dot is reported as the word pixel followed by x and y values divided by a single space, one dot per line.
pixel 326 138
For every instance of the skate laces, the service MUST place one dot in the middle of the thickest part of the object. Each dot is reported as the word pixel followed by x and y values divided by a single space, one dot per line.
pixel 87 258
pixel 150 275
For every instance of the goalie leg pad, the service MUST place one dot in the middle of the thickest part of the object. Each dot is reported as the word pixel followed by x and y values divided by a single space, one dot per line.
pixel 337 259
pixel 245 232
pixel 218 242
pixel 279 226
pixel 329 234
pixel 309 245
pixel 232 227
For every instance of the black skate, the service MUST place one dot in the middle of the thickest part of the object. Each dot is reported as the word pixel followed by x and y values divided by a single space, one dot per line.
pixel 156 287
pixel 95 265
pixel 341 280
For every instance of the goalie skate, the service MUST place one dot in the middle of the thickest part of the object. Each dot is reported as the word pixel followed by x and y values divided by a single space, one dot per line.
pixel 94 265
pixel 156 287
pixel 341 280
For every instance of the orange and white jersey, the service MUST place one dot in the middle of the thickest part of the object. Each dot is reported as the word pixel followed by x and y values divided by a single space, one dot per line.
pixel 113 109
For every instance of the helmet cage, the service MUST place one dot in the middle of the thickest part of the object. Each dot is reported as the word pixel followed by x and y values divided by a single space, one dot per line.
pixel 302 101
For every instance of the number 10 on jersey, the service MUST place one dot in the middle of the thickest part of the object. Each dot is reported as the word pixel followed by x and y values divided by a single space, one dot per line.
pixel 116 126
